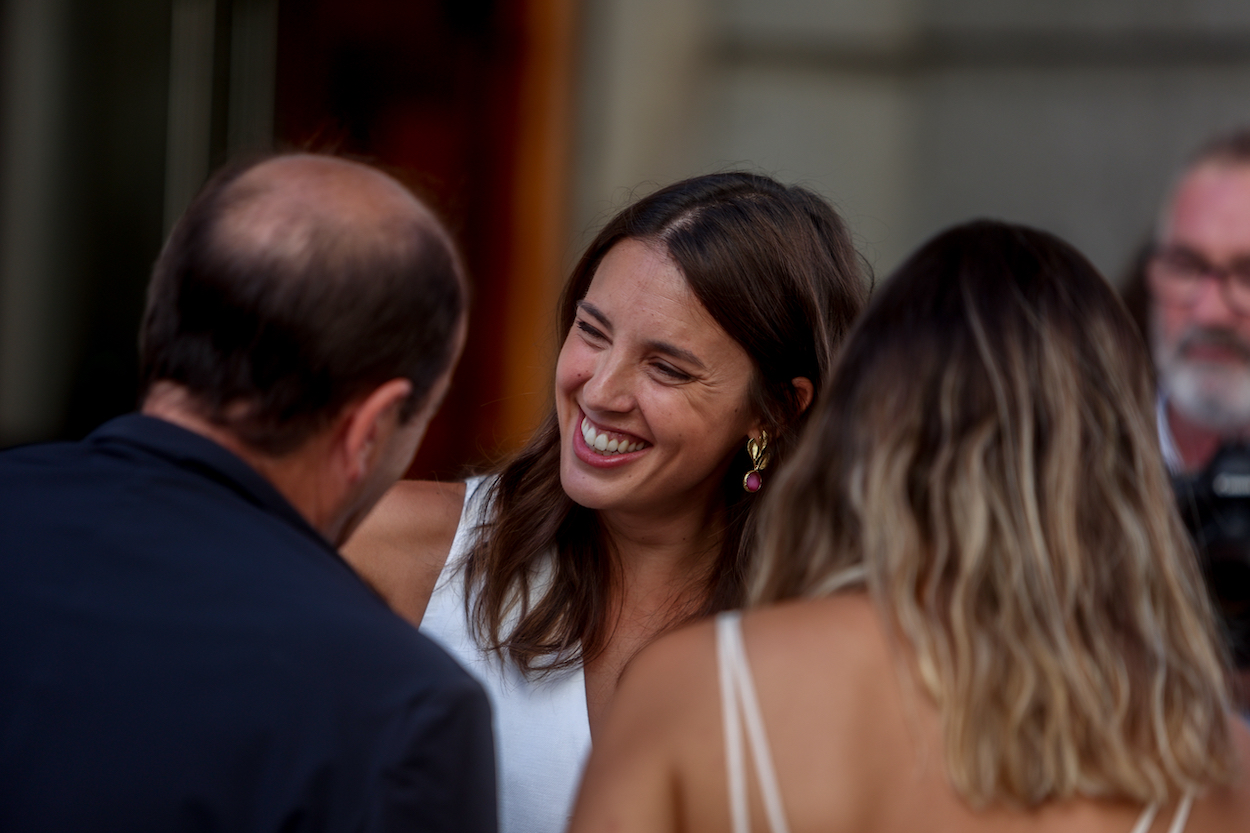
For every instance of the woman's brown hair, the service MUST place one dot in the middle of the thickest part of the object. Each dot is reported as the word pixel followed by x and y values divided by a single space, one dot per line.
pixel 985 461
pixel 775 267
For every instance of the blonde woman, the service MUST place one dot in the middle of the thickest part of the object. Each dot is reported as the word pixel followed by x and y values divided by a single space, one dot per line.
pixel 996 619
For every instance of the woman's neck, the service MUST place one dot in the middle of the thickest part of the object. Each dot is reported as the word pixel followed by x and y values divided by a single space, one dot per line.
pixel 662 581
pixel 673 550
pixel 664 567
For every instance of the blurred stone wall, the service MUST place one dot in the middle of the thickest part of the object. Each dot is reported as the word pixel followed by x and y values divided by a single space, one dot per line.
pixel 1070 115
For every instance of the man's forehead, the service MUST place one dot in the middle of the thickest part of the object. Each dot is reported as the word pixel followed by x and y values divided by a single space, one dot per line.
pixel 1210 211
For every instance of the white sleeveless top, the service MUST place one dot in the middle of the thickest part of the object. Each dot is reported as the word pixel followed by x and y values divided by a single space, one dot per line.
pixel 740 706
pixel 542 732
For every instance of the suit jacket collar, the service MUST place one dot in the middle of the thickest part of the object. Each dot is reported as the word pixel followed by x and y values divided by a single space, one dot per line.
pixel 190 450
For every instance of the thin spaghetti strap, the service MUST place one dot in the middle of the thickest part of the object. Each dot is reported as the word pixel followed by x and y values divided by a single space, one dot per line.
pixel 736 773
pixel 1179 819
pixel 1146 819
pixel 736 678
pixel 758 737
pixel 1182 814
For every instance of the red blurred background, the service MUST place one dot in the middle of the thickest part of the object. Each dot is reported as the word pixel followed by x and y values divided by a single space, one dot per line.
pixel 469 103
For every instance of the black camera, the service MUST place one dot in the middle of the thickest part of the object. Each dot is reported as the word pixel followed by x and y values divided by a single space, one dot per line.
pixel 1215 504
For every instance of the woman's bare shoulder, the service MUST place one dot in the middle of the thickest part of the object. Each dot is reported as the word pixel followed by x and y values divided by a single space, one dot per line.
pixel 414 510
pixel 680 664
pixel 794 634
pixel 665 683
pixel 401 547
pixel 663 712
pixel 1228 807
pixel 660 762
pixel 676 676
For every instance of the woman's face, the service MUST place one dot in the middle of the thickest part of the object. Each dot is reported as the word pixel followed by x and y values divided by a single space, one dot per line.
pixel 651 393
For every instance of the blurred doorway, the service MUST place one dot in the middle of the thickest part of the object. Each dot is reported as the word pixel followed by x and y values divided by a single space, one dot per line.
pixel 468 102
pixel 113 112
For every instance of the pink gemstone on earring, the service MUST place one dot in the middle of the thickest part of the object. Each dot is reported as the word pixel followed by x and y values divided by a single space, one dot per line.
pixel 753 481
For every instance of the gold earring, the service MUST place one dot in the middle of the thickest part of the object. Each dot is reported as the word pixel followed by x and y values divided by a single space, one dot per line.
pixel 758 449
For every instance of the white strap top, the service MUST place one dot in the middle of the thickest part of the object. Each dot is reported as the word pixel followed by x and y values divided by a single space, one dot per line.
pixel 740 706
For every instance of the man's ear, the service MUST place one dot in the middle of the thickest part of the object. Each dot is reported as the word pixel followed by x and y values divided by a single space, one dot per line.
pixel 368 423
pixel 803 391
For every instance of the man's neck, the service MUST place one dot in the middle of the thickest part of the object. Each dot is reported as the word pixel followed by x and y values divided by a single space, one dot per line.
pixel 294 475
pixel 1195 444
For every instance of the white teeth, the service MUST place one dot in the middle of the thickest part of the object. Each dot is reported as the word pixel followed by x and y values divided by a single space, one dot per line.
pixel 601 442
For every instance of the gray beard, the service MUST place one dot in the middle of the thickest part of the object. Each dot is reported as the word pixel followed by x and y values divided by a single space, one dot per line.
pixel 1215 396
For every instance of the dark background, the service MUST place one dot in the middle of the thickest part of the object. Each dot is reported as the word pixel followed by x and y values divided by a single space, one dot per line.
pixel 433 91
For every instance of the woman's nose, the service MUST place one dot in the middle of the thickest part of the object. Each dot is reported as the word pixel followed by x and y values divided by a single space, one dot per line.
pixel 610 386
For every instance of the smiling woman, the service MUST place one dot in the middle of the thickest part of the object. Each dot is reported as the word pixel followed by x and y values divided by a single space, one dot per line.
pixel 651 393
pixel 701 319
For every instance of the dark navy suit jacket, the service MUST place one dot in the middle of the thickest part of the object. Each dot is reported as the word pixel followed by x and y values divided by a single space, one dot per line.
pixel 180 650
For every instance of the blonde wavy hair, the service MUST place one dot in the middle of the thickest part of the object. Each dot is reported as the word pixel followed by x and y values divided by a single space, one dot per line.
pixel 986 463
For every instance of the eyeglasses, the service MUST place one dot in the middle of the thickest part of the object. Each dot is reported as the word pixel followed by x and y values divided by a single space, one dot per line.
pixel 1176 274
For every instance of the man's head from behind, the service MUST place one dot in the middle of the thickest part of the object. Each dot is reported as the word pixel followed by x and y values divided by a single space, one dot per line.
pixel 1198 276
pixel 292 291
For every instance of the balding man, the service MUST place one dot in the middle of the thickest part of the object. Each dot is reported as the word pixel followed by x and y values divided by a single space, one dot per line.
pixel 181 646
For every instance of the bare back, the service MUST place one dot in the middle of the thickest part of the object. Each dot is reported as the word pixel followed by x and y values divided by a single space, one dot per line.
pixel 856 746
pixel 401 547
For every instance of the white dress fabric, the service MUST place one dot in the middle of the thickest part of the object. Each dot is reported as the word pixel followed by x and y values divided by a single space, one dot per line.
pixel 740 707
pixel 542 732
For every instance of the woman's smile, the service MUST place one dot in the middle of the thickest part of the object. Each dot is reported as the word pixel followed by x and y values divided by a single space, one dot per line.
pixel 604 441
pixel 603 448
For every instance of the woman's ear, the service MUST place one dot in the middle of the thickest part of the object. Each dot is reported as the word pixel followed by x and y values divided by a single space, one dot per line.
pixel 803 391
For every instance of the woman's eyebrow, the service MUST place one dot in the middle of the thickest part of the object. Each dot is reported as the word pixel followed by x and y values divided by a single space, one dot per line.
pixel 676 352
pixel 594 312
pixel 655 346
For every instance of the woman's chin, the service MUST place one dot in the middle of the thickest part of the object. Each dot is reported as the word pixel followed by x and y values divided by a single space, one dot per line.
pixel 597 487
pixel 581 486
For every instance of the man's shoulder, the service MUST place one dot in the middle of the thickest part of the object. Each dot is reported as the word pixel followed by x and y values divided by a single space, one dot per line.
pixel 394 649
pixel 191 547
pixel 99 463
pixel 20 457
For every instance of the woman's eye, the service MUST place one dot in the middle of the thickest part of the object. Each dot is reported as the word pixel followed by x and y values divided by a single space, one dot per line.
pixel 668 371
pixel 588 330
